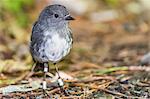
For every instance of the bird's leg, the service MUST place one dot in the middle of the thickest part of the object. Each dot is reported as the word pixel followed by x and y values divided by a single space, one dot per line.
pixel 60 81
pixel 44 78
pixel 44 85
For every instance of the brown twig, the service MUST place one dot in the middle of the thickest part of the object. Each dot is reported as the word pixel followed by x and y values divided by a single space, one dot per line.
pixel 91 79
pixel 118 94
pixel 53 91
pixel 72 97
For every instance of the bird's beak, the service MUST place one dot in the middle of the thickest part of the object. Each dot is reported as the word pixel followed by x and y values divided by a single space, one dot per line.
pixel 69 18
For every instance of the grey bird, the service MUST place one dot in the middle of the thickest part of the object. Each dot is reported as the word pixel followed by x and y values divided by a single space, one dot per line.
pixel 51 38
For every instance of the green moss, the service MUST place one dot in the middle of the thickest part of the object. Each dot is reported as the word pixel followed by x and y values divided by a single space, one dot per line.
pixel 17 9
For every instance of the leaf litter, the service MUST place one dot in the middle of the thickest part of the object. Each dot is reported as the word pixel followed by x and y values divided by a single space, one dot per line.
pixel 106 65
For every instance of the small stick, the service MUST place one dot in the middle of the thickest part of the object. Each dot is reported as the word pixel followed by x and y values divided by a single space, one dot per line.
pixel 118 93
pixel 32 71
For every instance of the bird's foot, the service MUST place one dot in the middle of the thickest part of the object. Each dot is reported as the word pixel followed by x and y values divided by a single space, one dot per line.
pixel 61 86
pixel 44 87
pixel 45 93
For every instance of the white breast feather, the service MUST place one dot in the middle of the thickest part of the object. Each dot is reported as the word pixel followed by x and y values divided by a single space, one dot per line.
pixel 55 47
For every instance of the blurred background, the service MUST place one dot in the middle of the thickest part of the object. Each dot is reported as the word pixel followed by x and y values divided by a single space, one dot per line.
pixel 110 39
pixel 106 32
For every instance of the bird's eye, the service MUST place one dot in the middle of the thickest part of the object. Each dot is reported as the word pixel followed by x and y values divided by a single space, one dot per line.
pixel 56 15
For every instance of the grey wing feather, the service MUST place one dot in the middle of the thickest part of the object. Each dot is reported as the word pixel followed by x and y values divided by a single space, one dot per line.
pixel 35 39
pixel 33 28
pixel 71 36
pixel 36 31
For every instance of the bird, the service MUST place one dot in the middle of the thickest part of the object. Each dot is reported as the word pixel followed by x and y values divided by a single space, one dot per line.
pixel 51 38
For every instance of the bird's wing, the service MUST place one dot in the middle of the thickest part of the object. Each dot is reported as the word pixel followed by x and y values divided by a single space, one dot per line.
pixel 35 37
pixel 70 36
pixel 36 32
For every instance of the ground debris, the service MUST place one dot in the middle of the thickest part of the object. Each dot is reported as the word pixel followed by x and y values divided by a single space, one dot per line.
pixel 113 84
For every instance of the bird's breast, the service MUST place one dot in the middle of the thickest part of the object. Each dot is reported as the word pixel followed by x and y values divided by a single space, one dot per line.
pixel 56 47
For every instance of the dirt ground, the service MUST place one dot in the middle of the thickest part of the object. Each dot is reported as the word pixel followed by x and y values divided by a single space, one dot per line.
pixel 104 62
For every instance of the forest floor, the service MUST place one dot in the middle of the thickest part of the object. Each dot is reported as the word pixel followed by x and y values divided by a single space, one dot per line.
pixel 104 63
